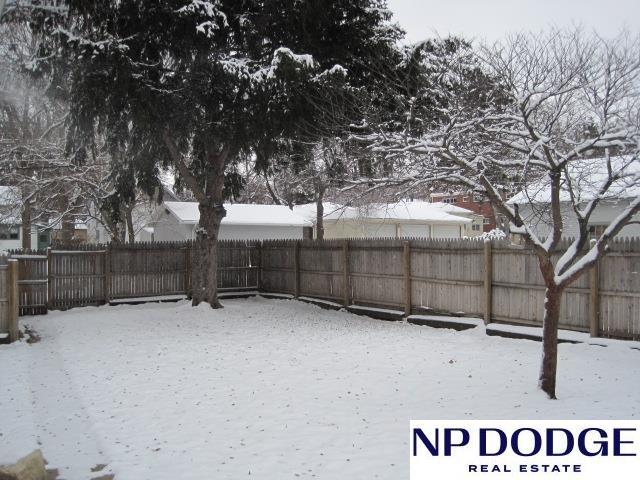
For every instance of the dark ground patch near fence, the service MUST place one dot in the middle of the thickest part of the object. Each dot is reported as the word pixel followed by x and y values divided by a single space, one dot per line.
pixel 495 281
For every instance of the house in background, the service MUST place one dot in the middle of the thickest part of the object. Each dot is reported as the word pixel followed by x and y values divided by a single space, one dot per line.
pixel 177 221
pixel 143 215
pixel 478 204
pixel 11 222
pixel 533 202
pixel 396 220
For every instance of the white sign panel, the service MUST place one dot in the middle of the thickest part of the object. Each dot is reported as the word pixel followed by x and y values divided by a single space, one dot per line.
pixel 523 449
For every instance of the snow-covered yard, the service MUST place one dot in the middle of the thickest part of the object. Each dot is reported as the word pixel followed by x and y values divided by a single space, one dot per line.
pixel 273 389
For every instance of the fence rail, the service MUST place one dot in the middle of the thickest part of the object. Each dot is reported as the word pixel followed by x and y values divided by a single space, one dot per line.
pixel 496 281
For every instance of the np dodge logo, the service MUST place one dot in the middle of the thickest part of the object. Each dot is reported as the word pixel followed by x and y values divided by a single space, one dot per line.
pixel 510 449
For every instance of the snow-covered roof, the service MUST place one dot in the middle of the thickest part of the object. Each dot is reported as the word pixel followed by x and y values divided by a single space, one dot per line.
pixel 241 214
pixel 435 213
pixel 309 210
pixel 450 208
pixel 587 177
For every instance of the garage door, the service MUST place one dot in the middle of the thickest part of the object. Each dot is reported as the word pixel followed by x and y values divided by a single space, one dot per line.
pixel 414 231
pixel 446 231
pixel 378 230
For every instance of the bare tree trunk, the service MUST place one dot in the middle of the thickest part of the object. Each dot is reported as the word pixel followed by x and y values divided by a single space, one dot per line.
pixel 206 282
pixel 26 225
pixel 272 194
pixel 320 215
pixel 68 229
pixel 210 204
pixel 130 232
pixel 548 369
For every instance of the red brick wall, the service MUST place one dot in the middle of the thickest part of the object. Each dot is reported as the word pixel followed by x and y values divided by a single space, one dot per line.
pixel 467 201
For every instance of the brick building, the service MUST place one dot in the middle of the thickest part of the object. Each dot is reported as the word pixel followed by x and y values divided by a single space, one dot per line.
pixel 478 204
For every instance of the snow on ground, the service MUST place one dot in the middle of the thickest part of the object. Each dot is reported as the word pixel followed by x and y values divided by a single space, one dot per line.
pixel 273 389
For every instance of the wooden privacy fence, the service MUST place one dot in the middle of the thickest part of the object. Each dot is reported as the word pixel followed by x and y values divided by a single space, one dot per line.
pixel 59 279
pixel 496 281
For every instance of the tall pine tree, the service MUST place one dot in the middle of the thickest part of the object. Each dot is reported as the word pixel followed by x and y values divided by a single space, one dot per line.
pixel 197 84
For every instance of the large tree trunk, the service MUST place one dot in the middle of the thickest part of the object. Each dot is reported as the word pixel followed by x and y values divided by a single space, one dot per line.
pixel 68 229
pixel 205 288
pixel 26 225
pixel 547 382
pixel 210 195
pixel 131 234
pixel 320 215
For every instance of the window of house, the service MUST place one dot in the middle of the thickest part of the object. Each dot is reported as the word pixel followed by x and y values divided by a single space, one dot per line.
pixel 465 199
pixel 449 200
pixel 9 232
pixel 486 221
pixel 475 227
pixel 307 233
pixel 595 231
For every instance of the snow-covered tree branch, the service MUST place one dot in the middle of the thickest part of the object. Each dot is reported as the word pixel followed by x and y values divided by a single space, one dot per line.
pixel 560 127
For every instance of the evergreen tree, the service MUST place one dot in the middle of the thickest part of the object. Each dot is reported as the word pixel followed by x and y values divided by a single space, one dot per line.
pixel 198 85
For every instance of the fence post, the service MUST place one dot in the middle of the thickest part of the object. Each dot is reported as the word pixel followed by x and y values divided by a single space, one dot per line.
pixel 187 270
pixel 488 280
pixel 406 255
pixel 107 274
pixel 296 261
pixel 14 301
pixel 594 299
pixel 49 280
pixel 259 273
pixel 346 300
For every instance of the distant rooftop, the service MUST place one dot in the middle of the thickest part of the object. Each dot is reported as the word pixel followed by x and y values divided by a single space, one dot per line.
pixel 437 213
pixel 587 177
pixel 241 214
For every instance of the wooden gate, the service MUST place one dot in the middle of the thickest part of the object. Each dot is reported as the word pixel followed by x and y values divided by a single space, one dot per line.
pixel 8 300
pixel 32 283
pixel 77 278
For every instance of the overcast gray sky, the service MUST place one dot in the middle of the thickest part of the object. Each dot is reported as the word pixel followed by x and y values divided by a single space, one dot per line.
pixel 493 19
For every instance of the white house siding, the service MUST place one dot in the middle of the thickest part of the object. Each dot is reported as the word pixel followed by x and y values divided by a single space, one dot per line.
pixel 360 229
pixel 259 232
pixel 172 231
pixel 165 232
pixel 412 230
pixel 538 217
pixel 446 231
pixel 10 244
pixel 17 244
pixel 167 229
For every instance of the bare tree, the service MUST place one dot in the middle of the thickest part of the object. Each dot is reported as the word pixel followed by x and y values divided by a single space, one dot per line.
pixel 568 136
pixel 313 177
pixel 57 186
